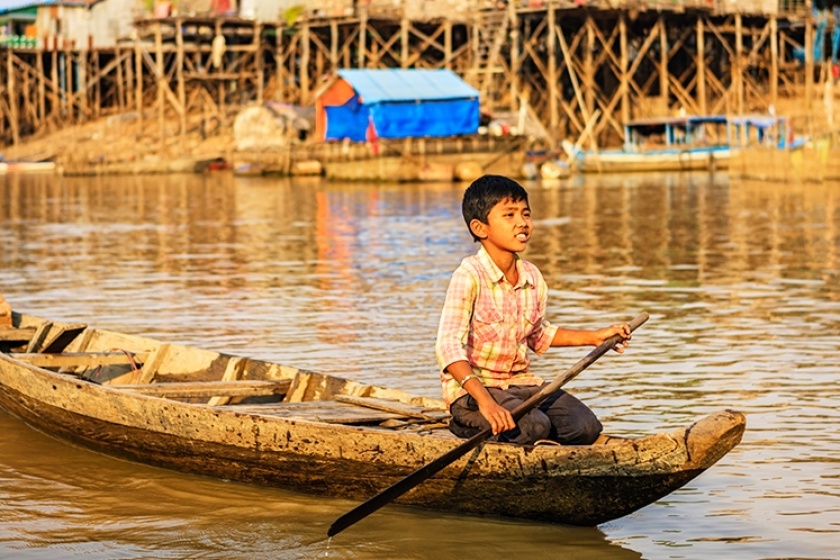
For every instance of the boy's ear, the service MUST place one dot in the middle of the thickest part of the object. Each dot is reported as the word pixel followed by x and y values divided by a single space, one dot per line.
pixel 478 228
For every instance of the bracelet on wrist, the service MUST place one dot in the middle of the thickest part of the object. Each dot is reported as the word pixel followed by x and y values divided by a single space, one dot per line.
pixel 467 378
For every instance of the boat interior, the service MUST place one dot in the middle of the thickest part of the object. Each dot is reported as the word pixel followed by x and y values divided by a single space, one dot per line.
pixel 203 377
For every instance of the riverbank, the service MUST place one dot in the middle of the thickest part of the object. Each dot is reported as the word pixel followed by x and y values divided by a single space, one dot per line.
pixel 125 144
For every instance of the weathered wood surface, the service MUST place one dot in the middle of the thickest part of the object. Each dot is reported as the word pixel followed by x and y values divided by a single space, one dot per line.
pixel 579 485
pixel 83 360
pixel 38 338
pixel 186 389
pixel 385 405
pixel 327 412
pixel 64 334
pixel 11 334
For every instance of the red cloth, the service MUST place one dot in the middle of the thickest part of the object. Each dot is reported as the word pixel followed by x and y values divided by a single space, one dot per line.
pixel 220 6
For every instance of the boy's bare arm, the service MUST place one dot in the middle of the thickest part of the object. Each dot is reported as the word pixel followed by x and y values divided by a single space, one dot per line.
pixel 569 337
pixel 499 417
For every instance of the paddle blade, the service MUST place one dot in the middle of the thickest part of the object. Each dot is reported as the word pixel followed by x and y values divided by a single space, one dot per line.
pixel 404 485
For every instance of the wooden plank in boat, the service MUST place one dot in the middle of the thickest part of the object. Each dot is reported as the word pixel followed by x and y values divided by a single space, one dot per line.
pixel 233 372
pixel 147 373
pixel 387 405
pixel 11 334
pixel 239 388
pixel 38 338
pixel 330 412
pixel 63 336
pixel 85 360
pixel 82 346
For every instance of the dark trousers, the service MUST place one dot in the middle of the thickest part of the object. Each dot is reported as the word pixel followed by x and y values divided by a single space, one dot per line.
pixel 561 418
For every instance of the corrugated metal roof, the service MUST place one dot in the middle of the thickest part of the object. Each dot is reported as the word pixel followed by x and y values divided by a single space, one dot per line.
pixel 12 5
pixel 377 85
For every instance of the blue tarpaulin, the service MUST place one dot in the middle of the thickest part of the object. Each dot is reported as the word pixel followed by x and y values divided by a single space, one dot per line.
pixel 401 103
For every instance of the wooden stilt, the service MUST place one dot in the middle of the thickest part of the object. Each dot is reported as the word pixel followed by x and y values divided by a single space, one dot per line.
pixel 624 88
pixel 774 60
pixel 700 63
pixel 13 99
pixel 663 62
pixel 553 89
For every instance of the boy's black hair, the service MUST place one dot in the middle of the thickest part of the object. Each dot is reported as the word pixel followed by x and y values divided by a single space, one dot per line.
pixel 486 192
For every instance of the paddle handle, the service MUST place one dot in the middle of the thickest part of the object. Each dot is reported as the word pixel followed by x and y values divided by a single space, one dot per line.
pixel 573 371
pixel 430 469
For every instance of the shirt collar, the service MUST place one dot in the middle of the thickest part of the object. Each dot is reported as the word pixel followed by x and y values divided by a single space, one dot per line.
pixel 496 273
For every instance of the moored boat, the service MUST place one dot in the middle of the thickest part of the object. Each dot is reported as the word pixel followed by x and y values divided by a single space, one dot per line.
pixel 661 144
pixel 26 167
pixel 210 413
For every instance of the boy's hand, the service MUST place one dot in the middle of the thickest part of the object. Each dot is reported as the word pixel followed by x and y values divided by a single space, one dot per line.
pixel 499 417
pixel 620 329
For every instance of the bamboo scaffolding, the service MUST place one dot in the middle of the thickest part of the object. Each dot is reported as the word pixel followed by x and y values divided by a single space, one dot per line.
pixel 564 61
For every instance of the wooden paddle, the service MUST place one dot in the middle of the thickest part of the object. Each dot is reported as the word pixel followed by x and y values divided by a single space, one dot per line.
pixel 429 470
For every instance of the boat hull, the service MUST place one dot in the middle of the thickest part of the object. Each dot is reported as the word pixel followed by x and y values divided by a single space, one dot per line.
pixel 26 167
pixel 576 485
pixel 612 161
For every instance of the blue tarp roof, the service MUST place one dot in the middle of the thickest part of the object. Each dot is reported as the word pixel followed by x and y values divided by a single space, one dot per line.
pixel 389 85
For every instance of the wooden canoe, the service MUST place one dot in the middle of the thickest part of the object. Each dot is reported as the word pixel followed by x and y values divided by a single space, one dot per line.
pixel 235 418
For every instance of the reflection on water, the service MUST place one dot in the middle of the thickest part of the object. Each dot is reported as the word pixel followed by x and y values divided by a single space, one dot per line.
pixel 740 278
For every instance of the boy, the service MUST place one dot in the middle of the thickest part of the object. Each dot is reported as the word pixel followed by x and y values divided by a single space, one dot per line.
pixel 493 313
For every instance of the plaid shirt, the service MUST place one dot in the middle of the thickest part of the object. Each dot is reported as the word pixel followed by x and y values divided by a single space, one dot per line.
pixel 491 324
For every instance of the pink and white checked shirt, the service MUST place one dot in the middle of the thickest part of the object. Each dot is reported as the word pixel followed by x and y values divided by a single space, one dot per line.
pixel 492 324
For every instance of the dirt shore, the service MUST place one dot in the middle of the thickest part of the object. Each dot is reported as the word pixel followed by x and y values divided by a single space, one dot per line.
pixel 122 144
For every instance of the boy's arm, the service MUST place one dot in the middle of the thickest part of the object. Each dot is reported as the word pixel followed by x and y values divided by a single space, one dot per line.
pixel 569 337
pixel 499 417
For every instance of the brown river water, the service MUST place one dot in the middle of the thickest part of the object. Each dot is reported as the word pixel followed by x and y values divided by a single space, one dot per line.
pixel 741 279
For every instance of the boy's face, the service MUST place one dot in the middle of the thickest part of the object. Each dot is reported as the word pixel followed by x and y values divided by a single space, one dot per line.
pixel 508 226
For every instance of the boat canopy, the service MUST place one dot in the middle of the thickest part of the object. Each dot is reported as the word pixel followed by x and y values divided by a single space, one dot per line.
pixel 677 130
pixel 365 104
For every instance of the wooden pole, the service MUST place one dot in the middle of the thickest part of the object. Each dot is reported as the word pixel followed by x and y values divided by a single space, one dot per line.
pixel 553 90
pixel 222 84
pixel 305 55
pixel 66 87
pixel 447 44
pixel 56 107
pixel 334 38
pixel 809 56
pixel 363 23
pixel 774 60
pixel 404 30
pixel 81 87
pixel 737 67
pixel 42 88
pixel 129 78
pixel 278 56
pixel 515 49
pixel 663 63
pixel 25 92
pixel 138 91
pixel 258 59
pixel 179 69
pixel 13 101
pixel 625 63
pixel 120 80
pixel 159 83
pixel 97 69
pixel 701 65
pixel 588 67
